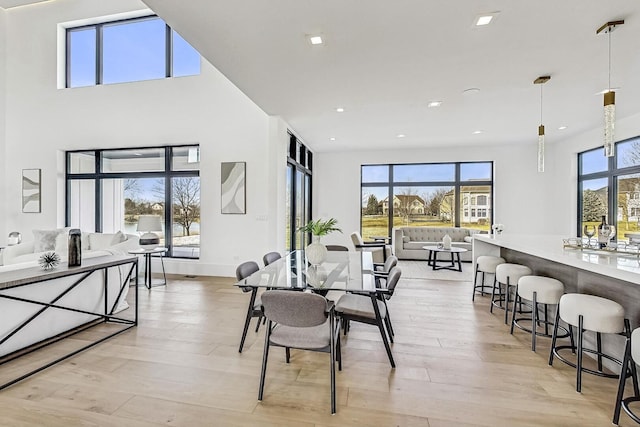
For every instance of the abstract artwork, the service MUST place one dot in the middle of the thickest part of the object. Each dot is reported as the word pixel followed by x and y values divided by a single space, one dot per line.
pixel 233 187
pixel 31 190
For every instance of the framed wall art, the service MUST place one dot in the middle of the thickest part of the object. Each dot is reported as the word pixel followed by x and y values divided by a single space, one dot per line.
pixel 31 196
pixel 233 194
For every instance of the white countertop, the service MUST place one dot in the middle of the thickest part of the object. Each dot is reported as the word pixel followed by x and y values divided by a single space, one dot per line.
pixel 620 266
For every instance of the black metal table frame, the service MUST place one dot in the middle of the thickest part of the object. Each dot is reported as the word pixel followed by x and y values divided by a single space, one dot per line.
pixel 105 317
pixel 432 260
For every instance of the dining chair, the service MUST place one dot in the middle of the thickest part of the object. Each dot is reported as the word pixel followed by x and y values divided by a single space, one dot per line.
pixel 379 250
pixel 304 321
pixel 370 309
pixel 339 248
pixel 271 257
pixel 243 271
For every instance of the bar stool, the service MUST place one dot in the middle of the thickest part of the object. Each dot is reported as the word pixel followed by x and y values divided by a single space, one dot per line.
pixel 631 357
pixel 485 264
pixel 537 290
pixel 507 274
pixel 588 313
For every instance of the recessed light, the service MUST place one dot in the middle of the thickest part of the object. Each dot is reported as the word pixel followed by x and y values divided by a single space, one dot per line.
pixel 400 135
pixel 485 19
pixel 562 127
pixel 477 132
pixel 339 110
pixel 471 91
pixel 315 40
pixel 333 138
pixel 433 104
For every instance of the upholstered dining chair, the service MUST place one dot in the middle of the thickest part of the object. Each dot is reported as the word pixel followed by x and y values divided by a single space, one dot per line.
pixel 271 257
pixel 361 308
pixel 300 320
pixel 243 271
pixel 339 248
pixel 379 250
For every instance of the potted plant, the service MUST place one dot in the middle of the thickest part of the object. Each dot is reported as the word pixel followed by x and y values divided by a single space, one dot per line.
pixel 316 252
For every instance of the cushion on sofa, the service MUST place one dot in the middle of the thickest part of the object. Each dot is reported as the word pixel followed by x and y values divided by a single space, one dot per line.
pixel 62 242
pixel 99 241
pixel 45 240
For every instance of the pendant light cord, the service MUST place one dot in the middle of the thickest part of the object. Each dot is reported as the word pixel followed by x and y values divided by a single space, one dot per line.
pixel 541 104
pixel 610 29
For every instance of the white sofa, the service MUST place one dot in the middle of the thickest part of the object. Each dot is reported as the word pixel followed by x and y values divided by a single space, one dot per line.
pixel 56 241
pixel 408 241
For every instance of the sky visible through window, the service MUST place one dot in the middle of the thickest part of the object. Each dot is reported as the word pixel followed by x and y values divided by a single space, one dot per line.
pixel 131 51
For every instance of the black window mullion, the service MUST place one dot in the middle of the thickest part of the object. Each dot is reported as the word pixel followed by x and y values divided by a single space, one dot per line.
pixel 99 61
pixel 168 52
pixel 168 193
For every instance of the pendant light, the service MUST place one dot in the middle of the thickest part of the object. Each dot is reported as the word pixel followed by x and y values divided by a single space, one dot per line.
pixel 609 96
pixel 540 81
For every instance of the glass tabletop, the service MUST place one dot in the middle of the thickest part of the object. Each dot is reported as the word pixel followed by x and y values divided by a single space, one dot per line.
pixel 351 271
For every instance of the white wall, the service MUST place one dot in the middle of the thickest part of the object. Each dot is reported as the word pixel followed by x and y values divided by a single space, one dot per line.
pixel 521 194
pixel 43 121
pixel 3 158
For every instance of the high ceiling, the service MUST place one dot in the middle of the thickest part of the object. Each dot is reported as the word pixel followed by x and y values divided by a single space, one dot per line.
pixel 8 4
pixel 384 61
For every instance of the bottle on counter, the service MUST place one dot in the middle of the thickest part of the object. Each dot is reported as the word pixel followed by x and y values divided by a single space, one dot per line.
pixel 604 232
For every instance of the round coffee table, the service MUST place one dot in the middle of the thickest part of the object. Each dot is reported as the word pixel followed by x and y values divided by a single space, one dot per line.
pixel 432 258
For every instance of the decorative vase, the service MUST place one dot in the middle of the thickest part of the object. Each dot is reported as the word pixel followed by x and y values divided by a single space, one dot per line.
pixel 446 242
pixel 316 252
pixel 75 248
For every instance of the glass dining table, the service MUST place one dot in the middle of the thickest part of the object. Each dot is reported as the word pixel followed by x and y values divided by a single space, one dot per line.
pixel 341 271
pixel 346 271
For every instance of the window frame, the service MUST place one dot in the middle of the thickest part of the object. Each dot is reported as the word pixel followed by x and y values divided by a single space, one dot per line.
pixel 99 49
pixel 611 174
pixel 98 175
pixel 456 184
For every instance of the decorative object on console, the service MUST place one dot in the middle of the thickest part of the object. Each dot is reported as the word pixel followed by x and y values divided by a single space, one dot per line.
pixel 233 194
pixel 49 260
pixel 316 252
pixel 15 238
pixel 75 248
pixel 609 96
pixel 446 242
pixel 148 224
pixel 31 190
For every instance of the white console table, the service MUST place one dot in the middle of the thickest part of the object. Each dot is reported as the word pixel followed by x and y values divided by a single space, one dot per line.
pixel 39 308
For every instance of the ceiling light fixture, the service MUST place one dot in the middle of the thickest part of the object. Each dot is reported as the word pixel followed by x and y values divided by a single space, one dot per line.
pixel 540 81
pixel 562 127
pixel 433 104
pixel 400 135
pixel 485 19
pixel 315 40
pixel 609 96
pixel 471 91
pixel 477 132
pixel 339 110
pixel 333 138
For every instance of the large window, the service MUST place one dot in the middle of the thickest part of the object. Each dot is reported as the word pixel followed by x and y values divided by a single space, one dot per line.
pixel 610 187
pixel 127 51
pixel 108 190
pixel 427 194
pixel 299 169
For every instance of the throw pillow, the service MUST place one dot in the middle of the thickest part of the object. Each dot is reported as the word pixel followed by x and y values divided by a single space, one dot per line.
pixel 118 238
pixel 98 241
pixel 45 240
pixel 62 242
pixel 406 239
pixel 468 239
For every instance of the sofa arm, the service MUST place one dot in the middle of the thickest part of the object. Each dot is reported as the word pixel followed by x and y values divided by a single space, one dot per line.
pixel 11 252
pixel 396 240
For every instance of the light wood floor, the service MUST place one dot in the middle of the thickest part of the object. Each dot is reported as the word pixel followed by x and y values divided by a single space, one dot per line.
pixel 457 365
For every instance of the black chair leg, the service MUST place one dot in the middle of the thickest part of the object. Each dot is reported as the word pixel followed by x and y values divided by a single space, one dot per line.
pixel 534 321
pixel 248 318
pixel 475 283
pixel 621 383
pixel 332 358
pixel 258 324
pixel 287 354
pixel 265 357
pixel 554 337
pixel 383 334
pixel 579 364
